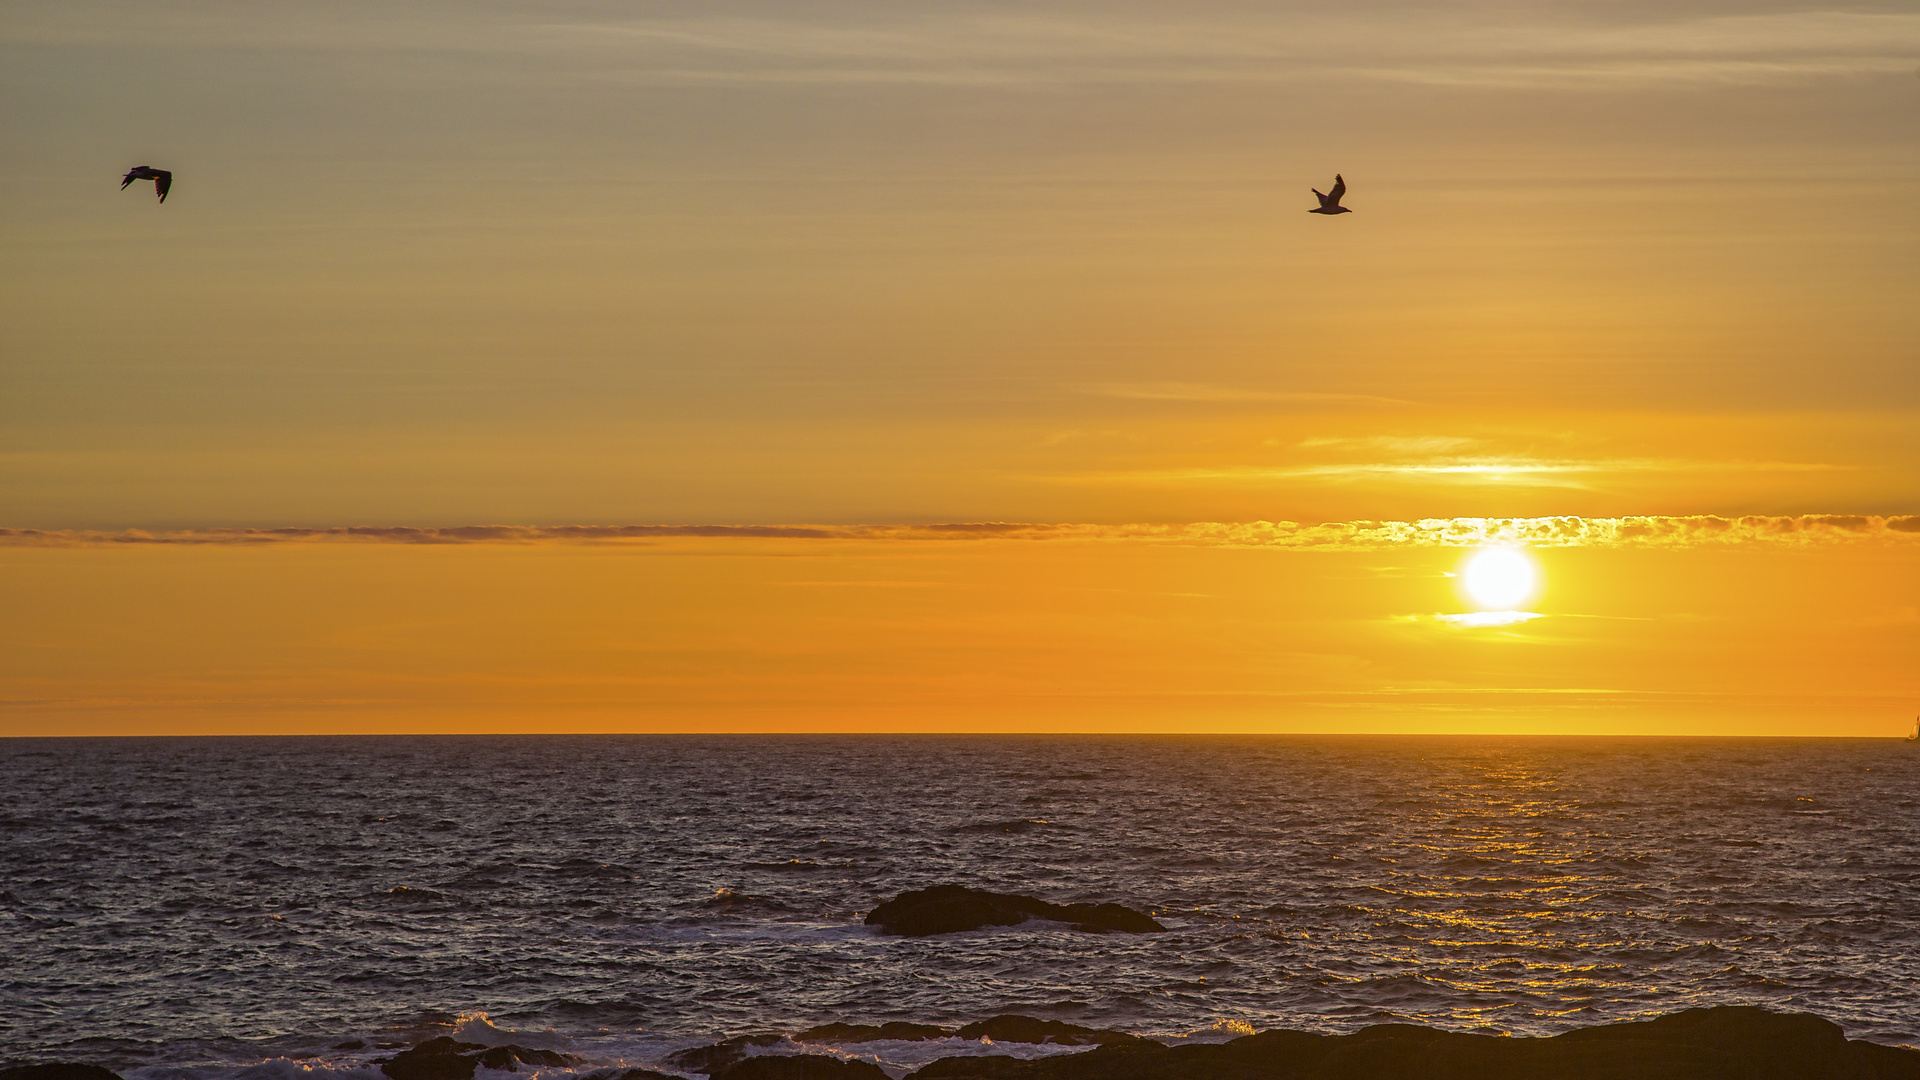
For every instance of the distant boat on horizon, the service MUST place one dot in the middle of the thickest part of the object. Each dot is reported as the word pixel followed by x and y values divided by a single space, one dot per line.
pixel 1915 737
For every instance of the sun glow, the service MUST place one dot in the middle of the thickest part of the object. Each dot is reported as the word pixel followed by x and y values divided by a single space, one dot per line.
pixel 1499 578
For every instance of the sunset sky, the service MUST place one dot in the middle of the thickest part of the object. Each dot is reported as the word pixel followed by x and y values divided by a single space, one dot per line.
pixel 1635 281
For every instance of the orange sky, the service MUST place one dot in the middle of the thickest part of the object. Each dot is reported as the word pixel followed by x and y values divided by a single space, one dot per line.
pixel 1662 626
pixel 750 263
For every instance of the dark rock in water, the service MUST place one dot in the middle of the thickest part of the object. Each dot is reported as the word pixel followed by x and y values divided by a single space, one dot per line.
pixel 946 909
pixel 1743 1041
pixel 712 1059
pixel 509 1058
pixel 1728 1043
pixel 858 1033
pixel 802 1067
pixel 445 1059
pixel 435 1059
pixel 631 1074
pixel 59 1071
pixel 1014 1028
pixel 350 1044
pixel 1880 1062
pixel 963 1068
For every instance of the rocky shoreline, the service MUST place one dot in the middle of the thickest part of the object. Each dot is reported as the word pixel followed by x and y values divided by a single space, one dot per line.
pixel 1721 1043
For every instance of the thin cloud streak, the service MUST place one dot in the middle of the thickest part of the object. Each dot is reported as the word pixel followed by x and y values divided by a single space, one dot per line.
pixel 1526 472
pixel 888 44
pixel 1038 49
pixel 1640 531
pixel 1474 620
pixel 1207 392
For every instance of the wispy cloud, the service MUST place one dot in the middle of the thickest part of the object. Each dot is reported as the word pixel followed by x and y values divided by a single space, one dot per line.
pixel 958 45
pixel 989 45
pixel 1207 392
pixel 1392 444
pixel 1473 620
pixel 1576 473
pixel 1642 531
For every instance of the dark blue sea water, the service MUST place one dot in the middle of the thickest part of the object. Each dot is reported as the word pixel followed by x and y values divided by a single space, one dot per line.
pixel 237 907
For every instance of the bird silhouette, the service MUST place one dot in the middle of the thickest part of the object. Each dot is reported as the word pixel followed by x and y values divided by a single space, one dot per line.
pixel 162 179
pixel 1330 202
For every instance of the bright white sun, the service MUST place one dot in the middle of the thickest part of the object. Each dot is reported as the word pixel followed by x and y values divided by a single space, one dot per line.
pixel 1499 578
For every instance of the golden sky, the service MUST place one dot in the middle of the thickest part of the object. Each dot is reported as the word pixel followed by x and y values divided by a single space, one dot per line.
pixel 871 264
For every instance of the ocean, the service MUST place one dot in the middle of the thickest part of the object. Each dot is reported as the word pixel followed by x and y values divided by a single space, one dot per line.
pixel 256 907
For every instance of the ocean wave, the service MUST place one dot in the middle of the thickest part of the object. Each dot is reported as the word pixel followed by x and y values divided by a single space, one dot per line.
pixel 632 895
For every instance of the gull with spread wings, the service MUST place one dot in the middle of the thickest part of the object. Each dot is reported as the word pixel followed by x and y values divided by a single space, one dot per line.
pixel 162 179
pixel 1330 202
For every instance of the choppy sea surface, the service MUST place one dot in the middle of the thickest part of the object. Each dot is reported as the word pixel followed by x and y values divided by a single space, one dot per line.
pixel 183 908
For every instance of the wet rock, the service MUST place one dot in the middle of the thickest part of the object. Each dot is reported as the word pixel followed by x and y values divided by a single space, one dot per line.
pixel 1739 1041
pixel 858 1033
pixel 509 1058
pixel 58 1071
pixel 947 909
pixel 445 1059
pixel 1014 1028
pixel 350 1044
pixel 964 1068
pixel 436 1059
pixel 802 1067
pixel 719 1056
pixel 1729 1043
pixel 1879 1062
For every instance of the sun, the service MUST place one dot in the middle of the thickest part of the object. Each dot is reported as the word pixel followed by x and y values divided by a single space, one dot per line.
pixel 1499 578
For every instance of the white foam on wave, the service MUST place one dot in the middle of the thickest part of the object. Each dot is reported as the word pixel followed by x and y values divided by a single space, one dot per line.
pixel 278 1068
pixel 1219 1031
pixel 475 1027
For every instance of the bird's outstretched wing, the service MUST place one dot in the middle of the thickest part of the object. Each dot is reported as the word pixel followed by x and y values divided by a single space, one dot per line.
pixel 132 175
pixel 1325 200
pixel 1339 189
pixel 162 182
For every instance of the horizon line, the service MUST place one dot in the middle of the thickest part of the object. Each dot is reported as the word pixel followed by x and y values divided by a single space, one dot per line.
pixel 1360 534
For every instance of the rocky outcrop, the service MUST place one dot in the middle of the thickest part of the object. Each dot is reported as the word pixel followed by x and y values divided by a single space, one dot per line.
pixel 1014 1028
pixel 971 1068
pixel 858 1033
pixel 1730 1043
pixel 802 1067
pixel 443 1058
pixel 947 909
pixel 510 1058
pixel 446 1059
pixel 719 1056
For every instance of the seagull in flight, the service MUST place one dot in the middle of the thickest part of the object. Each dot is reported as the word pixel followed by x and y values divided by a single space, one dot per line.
pixel 162 179
pixel 1330 202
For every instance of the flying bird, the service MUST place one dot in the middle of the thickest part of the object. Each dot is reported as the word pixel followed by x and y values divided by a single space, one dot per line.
pixel 1330 202
pixel 162 179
